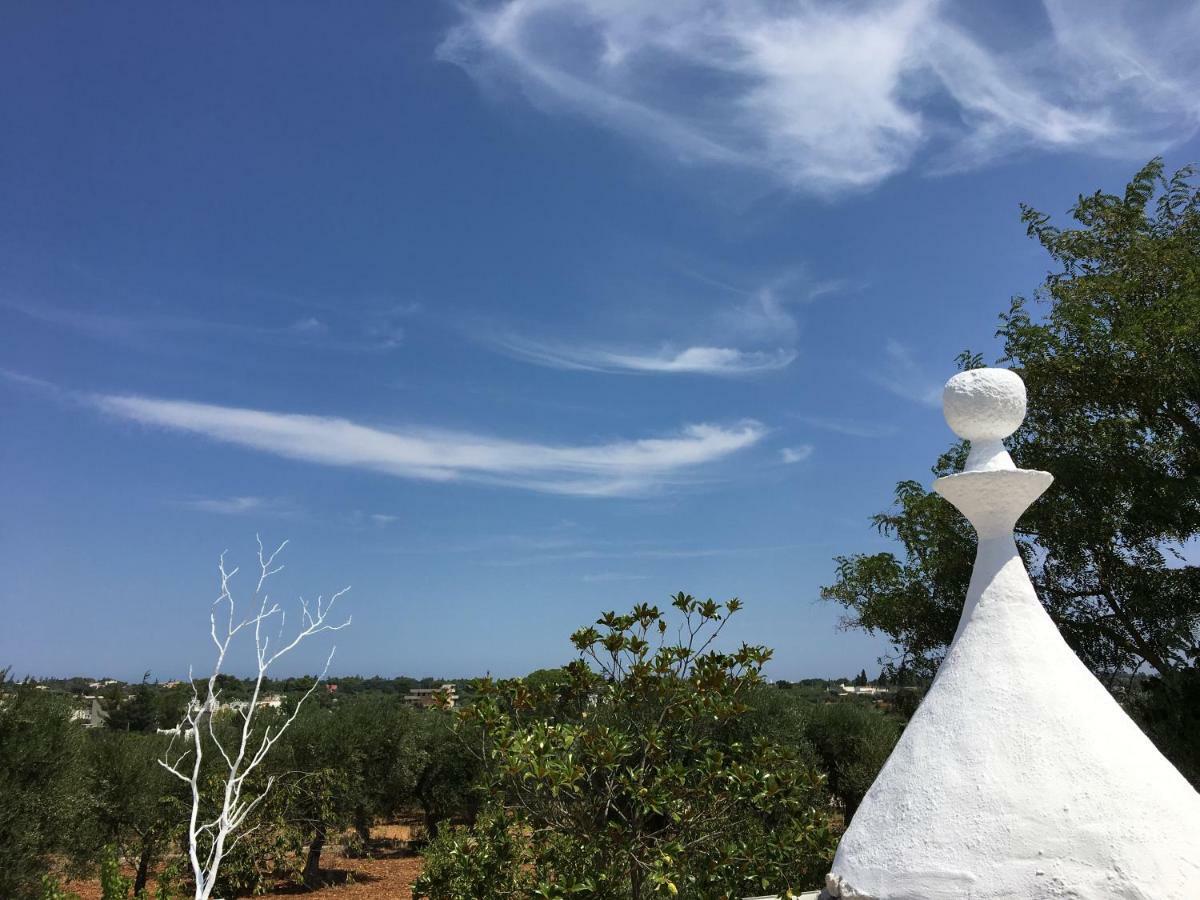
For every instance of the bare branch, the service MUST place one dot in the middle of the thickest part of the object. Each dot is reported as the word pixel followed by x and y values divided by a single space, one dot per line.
pixel 214 838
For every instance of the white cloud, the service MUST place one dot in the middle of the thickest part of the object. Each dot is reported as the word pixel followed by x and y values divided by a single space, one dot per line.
pixel 691 360
pixel 240 506
pixel 832 95
pixel 768 312
pixel 903 376
pixel 606 577
pixel 309 325
pixel 763 318
pixel 850 427
pixel 375 333
pixel 796 454
pixel 619 468
pixel 382 519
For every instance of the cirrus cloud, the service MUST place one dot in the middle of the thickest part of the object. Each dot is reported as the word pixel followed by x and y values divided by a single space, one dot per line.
pixel 666 360
pixel 825 96
pixel 619 468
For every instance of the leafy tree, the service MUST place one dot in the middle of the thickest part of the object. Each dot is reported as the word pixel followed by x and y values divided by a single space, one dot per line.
pixel 1168 708
pixel 852 741
pixel 138 713
pixel 327 783
pixel 629 778
pixel 386 741
pixel 446 782
pixel 133 803
pixel 347 766
pixel 1112 370
pixel 39 784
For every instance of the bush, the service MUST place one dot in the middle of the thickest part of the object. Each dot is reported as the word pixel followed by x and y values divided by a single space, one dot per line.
pixel 635 775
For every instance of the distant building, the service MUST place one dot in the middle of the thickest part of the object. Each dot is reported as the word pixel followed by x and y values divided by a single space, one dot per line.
pixel 173 683
pixel 426 697
pixel 868 689
pixel 331 688
pixel 93 717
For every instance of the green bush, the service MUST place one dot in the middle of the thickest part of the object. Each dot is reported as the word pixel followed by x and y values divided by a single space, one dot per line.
pixel 635 775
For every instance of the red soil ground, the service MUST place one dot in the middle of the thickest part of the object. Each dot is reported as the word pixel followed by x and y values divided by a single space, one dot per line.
pixel 388 875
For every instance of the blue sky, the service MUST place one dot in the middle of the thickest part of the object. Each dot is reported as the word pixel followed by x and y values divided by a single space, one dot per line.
pixel 507 314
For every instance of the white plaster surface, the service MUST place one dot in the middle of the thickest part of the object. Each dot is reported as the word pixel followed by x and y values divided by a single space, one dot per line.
pixel 1019 776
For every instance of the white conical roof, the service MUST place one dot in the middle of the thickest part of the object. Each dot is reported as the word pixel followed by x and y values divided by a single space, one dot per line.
pixel 1019 776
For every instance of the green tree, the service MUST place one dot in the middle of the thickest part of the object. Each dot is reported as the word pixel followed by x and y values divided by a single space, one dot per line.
pixel 446 784
pixel 134 804
pixel 346 766
pixel 139 712
pixel 321 775
pixel 1112 369
pixel 39 784
pixel 631 778
pixel 853 740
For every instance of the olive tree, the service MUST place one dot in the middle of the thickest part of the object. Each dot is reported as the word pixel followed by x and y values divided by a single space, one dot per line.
pixel 39 784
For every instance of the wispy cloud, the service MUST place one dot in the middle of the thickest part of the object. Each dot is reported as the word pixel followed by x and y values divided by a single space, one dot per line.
pixel 608 577
pixel 903 376
pixel 826 96
pixel 639 553
pixel 849 427
pixel 627 467
pixel 799 454
pixel 767 313
pixel 309 325
pixel 242 506
pixel 377 331
pixel 753 334
pixel 666 360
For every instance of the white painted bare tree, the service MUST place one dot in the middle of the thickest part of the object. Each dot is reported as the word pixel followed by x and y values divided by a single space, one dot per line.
pixel 214 830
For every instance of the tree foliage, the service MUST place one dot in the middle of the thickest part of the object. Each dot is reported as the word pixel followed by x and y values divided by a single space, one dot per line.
pixel 130 802
pixel 852 742
pixel 632 776
pixel 39 784
pixel 1112 369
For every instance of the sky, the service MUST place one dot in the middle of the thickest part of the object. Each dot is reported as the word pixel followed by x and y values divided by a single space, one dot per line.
pixel 506 314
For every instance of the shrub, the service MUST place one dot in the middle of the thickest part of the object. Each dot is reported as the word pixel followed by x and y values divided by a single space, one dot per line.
pixel 630 776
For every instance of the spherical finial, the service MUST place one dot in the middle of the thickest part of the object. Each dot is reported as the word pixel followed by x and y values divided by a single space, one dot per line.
pixel 984 404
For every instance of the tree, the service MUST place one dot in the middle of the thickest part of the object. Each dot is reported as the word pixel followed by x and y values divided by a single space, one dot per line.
pixel 1112 371
pixel 323 799
pixel 853 741
pixel 39 751
pixel 138 713
pixel 134 804
pixel 213 829
pixel 360 761
pixel 632 776
pixel 448 772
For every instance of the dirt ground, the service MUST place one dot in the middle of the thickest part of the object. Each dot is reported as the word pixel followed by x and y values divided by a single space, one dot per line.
pixel 387 875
